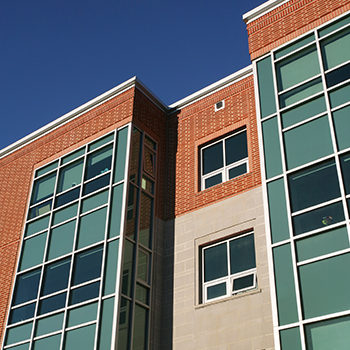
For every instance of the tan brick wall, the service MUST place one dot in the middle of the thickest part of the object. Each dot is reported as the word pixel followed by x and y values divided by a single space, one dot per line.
pixel 290 20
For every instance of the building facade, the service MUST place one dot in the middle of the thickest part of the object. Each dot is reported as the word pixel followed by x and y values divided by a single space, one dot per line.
pixel 218 222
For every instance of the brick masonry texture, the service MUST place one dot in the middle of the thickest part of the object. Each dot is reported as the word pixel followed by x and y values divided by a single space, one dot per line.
pixel 290 20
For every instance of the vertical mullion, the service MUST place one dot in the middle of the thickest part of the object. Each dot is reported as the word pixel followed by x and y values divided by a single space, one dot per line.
pixel 228 283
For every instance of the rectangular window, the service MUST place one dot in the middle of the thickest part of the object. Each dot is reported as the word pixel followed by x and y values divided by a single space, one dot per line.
pixel 228 267
pixel 224 159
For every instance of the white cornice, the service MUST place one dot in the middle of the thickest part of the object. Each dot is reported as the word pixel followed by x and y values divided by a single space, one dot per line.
pixel 262 10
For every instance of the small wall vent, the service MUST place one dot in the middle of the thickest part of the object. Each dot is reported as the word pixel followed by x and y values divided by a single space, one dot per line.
pixel 219 105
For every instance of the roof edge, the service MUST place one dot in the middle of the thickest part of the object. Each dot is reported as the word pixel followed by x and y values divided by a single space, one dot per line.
pixel 262 10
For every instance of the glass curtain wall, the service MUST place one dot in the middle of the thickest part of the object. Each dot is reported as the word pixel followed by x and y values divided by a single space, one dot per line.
pixel 304 99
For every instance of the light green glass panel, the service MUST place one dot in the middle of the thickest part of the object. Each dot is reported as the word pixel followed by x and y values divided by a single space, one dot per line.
pixel 296 45
pixel 290 339
pixel 272 149
pixel 80 338
pixel 330 334
pixel 333 26
pixel 49 324
pixel 52 343
pixel 20 347
pixel 19 333
pixel 325 286
pixel 61 240
pixel 70 176
pixel 116 211
pixel 111 267
pixel 33 251
pixel 341 119
pixel 82 314
pixel 297 68
pixel 46 168
pixel 43 188
pixel 119 167
pixel 336 49
pixel 304 111
pixel 37 225
pixel 285 287
pixel 266 87
pixel 307 142
pixel 101 142
pixel 95 201
pixel 65 214
pixel 339 96
pixel 322 243
pixel 92 228
pixel 106 324
pixel 73 155
pixel 140 328
pixel 301 92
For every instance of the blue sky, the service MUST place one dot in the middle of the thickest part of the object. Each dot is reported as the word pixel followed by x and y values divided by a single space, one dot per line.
pixel 57 55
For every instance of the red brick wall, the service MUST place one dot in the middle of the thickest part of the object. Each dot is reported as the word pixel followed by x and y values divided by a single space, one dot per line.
pixel 290 20
pixel 199 123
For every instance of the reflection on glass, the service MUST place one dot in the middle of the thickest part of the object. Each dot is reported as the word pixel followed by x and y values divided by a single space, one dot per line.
pixel 40 209
pixel 149 162
pixel 67 197
pixel 140 328
pixel 89 291
pixel 215 262
pixel 128 268
pixel 242 254
pixel 146 213
pixel 150 143
pixel 131 211
pixel 99 162
pixel 70 176
pixel 95 185
pixel 142 266
pixel 56 277
pixel 43 188
pixel 124 316
pixel 22 313
pixel 142 294
pixel 135 155
pixel 53 303
pixel 27 287
pixel 147 185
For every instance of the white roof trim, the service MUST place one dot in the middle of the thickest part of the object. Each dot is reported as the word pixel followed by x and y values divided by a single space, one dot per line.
pixel 262 10
pixel 233 78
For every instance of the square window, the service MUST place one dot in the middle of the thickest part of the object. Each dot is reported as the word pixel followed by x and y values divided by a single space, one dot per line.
pixel 224 160
pixel 228 267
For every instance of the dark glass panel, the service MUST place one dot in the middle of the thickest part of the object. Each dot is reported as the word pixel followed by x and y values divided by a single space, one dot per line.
pixel 139 338
pixel 147 185
pixel 40 209
pixel 135 155
pixel 94 185
pixel 237 171
pixel 128 268
pixel 142 294
pixel 27 287
pixel 67 197
pixel 99 162
pixel 338 75
pixel 124 324
pixel 56 277
pixel 216 291
pixel 87 265
pixel 213 180
pixel 84 293
pixel 149 162
pixel 150 143
pixel 22 313
pixel 131 211
pixel 213 158
pixel 242 254
pixel 243 283
pixel 215 262
pixel 142 266
pixel 313 185
pixel 53 303
pixel 146 213
pixel 345 168
pixel 236 147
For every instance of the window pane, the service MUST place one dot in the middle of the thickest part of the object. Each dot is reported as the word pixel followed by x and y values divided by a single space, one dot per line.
pixel 341 119
pixel 295 45
pixel 142 266
pixel 131 211
pixel 216 291
pixel 140 328
pixel 106 324
pixel 213 180
pixel 242 254
pixel 345 168
pixel 33 251
pixel 99 162
pixel 313 185
pixel 115 211
pixel 22 313
pixel 334 26
pixel 243 283
pixel 19 333
pixel 290 339
pixel 70 176
pixel 73 155
pixel 149 162
pixel 46 168
pixel 146 214
pixel 142 294
pixel 67 197
pixel 339 96
pixel 84 293
pixel 111 267
pixel 236 148
pixel 65 214
pixel 120 154
pixel 337 76
pixel 80 338
pixel 53 303
pixel 147 185
pixel 237 171
pixel 37 225
pixel 215 262
pixel 52 343
pixel 56 277
pixel 87 265
pixel 124 315
pixel 135 155
pixel 82 314
pixel 95 201
pixel 40 209
pixel 43 188
pixel 20 347
pixel 49 324
pixel 128 268
pixel 95 185
pixel 212 158
pixel 101 142
pixel 27 287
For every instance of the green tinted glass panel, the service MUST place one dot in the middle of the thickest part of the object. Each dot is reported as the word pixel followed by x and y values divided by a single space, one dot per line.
pixel 120 155
pixel 290 339
pixel 341 119
pixel 303 111
pixel 140 328
pixel 142 294
pixel 333 26
pixel 272 150
pixel 95 201
pixel 277 211
pixel 339 96
pixel 336 49
pixel 20 347
pixel 216 291
pixel 116 211
pixel 215 262
pixel 98 162
pixel 82 314
pixel 52 343
pixel 297 68
pixel 80 338
pixel 33 251
pixel 43 188
pixel 124 315
pixel 106 324
pixel 65 214
pixel 324 286
pixel 49 324
pixel 37 225
pixel 40 209
pixel 111 267
pixel 46 169
pixel 329 334
pixel 308 142
pixel 285 287
pixel 61 240
pixel 296 45
pixel 73 155
pixel 70 176
pixel 101 142
pixel 266 88
pixel 92 228
pixel 19 333
pixel 322 243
